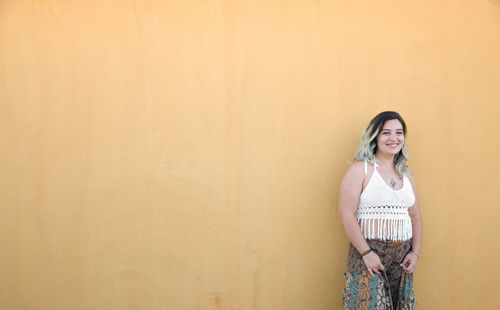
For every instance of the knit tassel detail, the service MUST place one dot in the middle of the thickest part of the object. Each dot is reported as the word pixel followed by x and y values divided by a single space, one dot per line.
pixel 386 229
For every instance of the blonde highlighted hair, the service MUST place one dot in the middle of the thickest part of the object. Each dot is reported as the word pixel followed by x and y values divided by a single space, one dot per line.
pixel 368 146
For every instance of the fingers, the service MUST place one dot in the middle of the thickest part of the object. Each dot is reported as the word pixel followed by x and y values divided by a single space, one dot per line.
pixel 409 264
pixel 406 267
pixel 405 261
pixel 373 263
pixel 376 269
pixel 371 272
pixel 411 268
pixel 412 265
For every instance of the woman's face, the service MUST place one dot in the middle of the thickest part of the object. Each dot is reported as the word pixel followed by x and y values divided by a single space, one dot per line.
pixel 391 138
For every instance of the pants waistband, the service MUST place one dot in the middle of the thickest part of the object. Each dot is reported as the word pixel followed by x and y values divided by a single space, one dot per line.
pixel 392 244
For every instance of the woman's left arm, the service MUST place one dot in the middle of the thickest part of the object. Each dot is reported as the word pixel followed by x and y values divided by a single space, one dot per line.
pixel 411 260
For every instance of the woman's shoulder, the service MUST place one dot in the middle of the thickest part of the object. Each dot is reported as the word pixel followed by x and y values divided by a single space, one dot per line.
pixel 355 168
pixel 353 177
pixel 409 174
pixel 357 164
pixel 360 164
pixel 358 167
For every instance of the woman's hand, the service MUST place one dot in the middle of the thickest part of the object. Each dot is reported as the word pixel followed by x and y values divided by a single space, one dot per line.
pixel 410 263
pixel 373 263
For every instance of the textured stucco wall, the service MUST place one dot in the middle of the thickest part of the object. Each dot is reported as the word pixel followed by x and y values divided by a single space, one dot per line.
pixel 187 154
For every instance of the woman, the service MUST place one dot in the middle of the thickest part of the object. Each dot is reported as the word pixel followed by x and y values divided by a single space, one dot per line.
pixel 381 217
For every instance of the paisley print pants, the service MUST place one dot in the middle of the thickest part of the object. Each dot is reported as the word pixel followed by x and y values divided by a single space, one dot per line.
pixel 391 290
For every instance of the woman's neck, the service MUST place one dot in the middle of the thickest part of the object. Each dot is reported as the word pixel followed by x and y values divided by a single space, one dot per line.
pixel 384 159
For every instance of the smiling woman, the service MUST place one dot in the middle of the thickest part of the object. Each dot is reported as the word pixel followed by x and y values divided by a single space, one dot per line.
pixel 382 221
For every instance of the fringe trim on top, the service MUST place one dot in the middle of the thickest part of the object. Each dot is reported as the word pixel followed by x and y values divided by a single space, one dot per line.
pixel 386 229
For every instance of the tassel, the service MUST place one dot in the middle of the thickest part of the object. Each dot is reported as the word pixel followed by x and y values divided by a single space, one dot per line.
pixel 371 229
pixel 410 230
pixel 363 224
pixel 379 229
pixel 404 228
pixel 401 231
pixel 374 228
pixel 393 229
pixel 389 229
pixel 385 230
pixel 368 229
pixel 393 232
pixel 400 228
pixel 396 232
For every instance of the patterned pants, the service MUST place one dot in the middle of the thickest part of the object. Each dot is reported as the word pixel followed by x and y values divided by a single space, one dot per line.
pixel 393 289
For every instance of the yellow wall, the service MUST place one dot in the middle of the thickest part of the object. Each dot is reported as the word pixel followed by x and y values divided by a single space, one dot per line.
pixel 187 154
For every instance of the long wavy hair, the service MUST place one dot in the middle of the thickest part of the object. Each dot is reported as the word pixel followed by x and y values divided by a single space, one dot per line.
pixel 368 146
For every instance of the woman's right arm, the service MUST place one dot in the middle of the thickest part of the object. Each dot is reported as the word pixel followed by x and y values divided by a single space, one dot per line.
pixel 350 190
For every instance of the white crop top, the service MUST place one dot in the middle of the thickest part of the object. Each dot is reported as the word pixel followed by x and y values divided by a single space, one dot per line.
pixel 383 211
